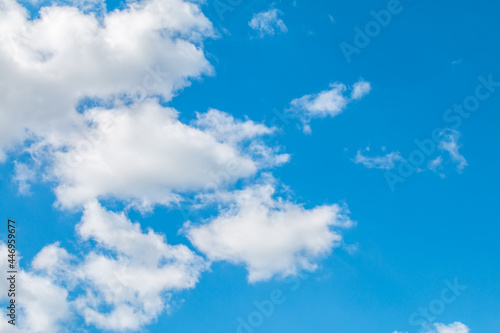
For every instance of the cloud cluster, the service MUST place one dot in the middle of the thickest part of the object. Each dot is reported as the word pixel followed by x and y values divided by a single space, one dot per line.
pixel 447 144
pixel 97 128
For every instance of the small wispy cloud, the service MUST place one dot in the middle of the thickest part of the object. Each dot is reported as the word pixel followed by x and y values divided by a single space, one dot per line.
pixel 23 175
pixel 268 22
pixel 327 103
pixel 450 144
pixel 385 162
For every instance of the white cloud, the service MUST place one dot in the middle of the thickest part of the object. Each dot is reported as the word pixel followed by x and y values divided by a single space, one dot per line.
pixel 23 175
pixel 129 273
pixel 269 236
pixel 139 280
pixel 451 328
pixel 360 89
pixel 385 162
pixel 266 22
pixel 147 156
pixel 40 302
pixel 450 144
pixel 442 328
pixel 328 103
pixel 150 48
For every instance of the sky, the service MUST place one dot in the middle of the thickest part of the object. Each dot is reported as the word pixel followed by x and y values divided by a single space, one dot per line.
pixel 250 166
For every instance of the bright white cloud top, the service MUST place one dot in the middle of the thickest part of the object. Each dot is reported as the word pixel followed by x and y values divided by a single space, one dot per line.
pixel 270 236
pixel 144 155
pixel 148 49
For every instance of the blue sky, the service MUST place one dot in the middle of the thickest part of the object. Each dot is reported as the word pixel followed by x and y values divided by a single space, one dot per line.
pixel 396 253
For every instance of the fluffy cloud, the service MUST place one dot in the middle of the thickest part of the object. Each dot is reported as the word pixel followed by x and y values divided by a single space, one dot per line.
pixel 42 303
pixel 130 273
pixel 451 328
pixel 266 22
pixel 270 236
pixel 150 48
pixel 385 162
pixel 144 154
pixel 137 281
pixel 360 89
pixel 328 103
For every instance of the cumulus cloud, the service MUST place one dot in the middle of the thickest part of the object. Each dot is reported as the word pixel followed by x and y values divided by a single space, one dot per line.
pixel 138 280
pixel 129 273
pixel 267 22
pixel 130 147
pixel 385 162
pixel 327 103
pixel 37 299
pixel 151 48
pixel 145 155
pixel 270 236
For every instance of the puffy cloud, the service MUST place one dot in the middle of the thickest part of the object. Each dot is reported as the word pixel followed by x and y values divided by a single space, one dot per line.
pixel 138 281
pixel 385 162
pixel 270 236
pixel 450 144
pixel 360 89
pixel 451 328
pixel 327 103
pixel 42 304
pixel 130 273
pixel 144 154
pixel 266 22
pixel 151 48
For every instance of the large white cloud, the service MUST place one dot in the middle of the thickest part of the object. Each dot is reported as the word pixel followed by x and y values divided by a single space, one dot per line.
pixel 48 65
pixel 270 236
pixel 146 155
